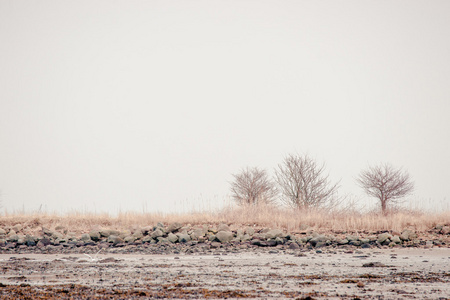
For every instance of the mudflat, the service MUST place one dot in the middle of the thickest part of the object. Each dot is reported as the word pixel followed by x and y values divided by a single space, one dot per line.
pixel 398 273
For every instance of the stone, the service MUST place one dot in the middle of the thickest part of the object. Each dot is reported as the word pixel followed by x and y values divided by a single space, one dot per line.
pixel 157 233
pixel 184 237
pixel 12 238
pixel 162 239
pixel 250 231
pixel 259 243
pixel 223 227
pixel 279 241
pixel 384 238
pixel 57 235
pixel 129 239
pixel 2 231
pixel 342 242
pixel 147 239
pixel 61 228
pixel 274 233
pixel 224 236
pixel 172 238
pixel 352 238
pixel 364 241
pixel 355 243
pixel 246 237
pixel 138 235
pixel 124 233
pixel 45 241
pixel 396 239
pixel 30 240
pixel 408 235
pixel 294 246
pixel 17 227
pixel 318 241
pixel 173 227
pixel 146 230
pixel 115 239
pixel 445 230
pixel 215 245
pixel 95 235
pixel 105 232
pixel 197 233
pixel 85 237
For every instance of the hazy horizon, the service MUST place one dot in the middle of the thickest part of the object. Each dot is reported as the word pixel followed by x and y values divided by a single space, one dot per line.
pixel 152 105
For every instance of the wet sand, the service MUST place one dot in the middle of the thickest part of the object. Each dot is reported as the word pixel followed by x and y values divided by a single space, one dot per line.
pixel 400 273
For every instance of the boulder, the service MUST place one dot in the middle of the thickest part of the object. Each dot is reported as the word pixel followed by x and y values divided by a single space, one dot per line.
pixel 138 235
pixel 246 237
pixel 2 232
pixel 12 238
pixel 223 227
pixel 173 227
pixel 114 239
pixel 146 230
pixel 30 240
pixel 224 236
pixel 124 233
pixel 445 230
pixel 172 238
pixel 274 233
pixel 61 229
pixel 95 235
pixel 384 238
pixel 396 239
pixel 294 246
pixel 250 231
pixel 343 242
pixel 352 238
pixel 364 241
pixel 57 235
pixel 17 227
pixel 105 232
pixel 147 239
pixel 85 237
pixel 183 237
pixel 318 241
pixel 129 239
pixel 157 233
pixel 408 235
pixel 198 233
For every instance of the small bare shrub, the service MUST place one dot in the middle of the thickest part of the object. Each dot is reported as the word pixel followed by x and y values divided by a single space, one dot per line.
pixel 252 186
pixel 303 184
pixel 386 183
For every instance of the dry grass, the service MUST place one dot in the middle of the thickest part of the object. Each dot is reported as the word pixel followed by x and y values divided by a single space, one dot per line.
pixel 259 216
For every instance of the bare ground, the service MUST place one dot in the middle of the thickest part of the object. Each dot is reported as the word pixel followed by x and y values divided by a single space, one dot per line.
pixel 399 273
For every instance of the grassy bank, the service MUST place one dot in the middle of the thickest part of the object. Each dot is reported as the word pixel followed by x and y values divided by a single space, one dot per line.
pixel 259 216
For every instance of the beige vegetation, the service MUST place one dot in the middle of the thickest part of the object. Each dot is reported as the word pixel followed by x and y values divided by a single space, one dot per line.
pixel 268 216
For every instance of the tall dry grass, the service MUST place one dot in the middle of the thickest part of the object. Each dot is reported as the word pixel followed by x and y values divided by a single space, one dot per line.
pixel 259 216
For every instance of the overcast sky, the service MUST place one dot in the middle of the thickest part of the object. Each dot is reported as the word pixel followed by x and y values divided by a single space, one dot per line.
pixel 133 105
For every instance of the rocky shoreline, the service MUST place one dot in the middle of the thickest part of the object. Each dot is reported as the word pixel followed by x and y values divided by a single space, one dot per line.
pixel 176 237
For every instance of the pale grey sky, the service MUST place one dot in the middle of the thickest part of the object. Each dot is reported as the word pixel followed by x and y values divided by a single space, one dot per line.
pixel 121 105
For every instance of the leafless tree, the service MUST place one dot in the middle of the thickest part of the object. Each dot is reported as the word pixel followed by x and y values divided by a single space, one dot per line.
pixel 303 184
pixel 253 186
pixel 386 183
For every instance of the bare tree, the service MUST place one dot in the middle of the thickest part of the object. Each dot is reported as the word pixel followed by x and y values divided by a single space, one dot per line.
pixel 252 186
pixel 303 184
pixel 386 183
